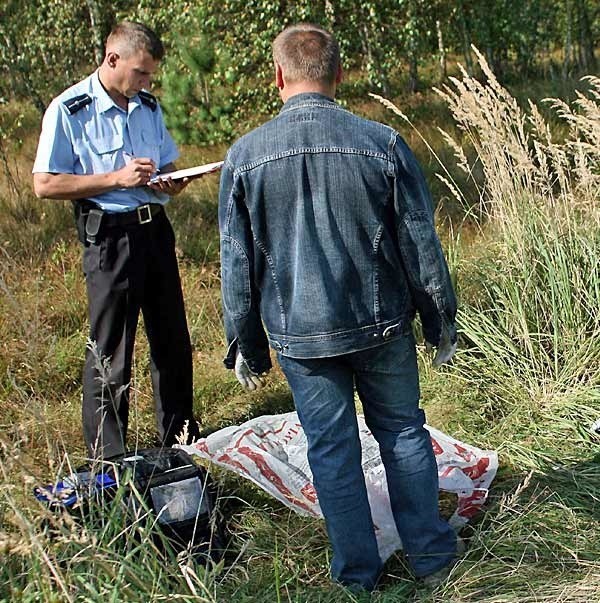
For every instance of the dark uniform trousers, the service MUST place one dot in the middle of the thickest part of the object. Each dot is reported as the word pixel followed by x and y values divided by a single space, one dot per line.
pixel 128 269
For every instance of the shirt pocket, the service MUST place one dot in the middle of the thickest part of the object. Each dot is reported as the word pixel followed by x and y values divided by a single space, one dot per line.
pixel 150 146
pixel 105 152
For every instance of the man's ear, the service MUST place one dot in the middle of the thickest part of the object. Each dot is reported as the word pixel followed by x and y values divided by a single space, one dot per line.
pixel 112 58
pixel 278 76
pixel 339 75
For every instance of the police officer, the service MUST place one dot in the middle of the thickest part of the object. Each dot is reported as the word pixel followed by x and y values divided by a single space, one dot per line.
pixel 102 141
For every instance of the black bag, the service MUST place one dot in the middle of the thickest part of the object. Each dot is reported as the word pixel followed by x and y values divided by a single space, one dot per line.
pixel 162 485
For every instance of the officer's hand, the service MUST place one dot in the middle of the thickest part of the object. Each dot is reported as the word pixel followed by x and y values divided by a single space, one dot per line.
pixel 445 349
pixel 170 187
pixel 136 173
pixel 250 381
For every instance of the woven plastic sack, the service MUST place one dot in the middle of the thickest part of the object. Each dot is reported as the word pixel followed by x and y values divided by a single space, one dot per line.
pixel 271 451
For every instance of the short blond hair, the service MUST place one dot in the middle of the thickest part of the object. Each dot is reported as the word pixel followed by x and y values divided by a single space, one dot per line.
pixel 132 37
pixel 307 52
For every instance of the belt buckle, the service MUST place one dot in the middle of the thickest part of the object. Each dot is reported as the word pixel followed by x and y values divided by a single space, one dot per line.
pixel 141 210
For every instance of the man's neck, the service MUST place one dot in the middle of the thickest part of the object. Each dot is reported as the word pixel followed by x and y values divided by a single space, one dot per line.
pixel 104 78
pixel 290 90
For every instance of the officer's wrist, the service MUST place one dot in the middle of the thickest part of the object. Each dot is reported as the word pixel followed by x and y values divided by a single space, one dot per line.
pixel 114 180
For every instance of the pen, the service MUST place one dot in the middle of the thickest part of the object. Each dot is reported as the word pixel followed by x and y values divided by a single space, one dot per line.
pixel 128 157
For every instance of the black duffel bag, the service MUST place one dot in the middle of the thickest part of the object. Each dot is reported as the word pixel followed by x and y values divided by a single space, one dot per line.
pixel 159 486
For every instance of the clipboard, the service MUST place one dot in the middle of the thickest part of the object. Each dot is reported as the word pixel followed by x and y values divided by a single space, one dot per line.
pixel 191 172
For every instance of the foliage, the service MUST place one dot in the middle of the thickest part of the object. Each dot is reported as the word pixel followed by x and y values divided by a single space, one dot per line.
pixel 197 110
pixel 47 45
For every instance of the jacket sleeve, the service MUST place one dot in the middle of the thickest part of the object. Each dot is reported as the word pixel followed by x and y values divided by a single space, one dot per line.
pixel 428 276
pixel 241 299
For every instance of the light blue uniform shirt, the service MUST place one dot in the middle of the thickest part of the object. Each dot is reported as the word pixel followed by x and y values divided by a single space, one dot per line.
pixel 101 137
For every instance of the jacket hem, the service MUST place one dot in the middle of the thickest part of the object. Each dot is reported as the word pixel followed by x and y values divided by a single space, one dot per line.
pixel 336 344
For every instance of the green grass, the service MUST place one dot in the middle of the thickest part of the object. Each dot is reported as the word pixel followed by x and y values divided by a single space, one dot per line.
pixel 526 382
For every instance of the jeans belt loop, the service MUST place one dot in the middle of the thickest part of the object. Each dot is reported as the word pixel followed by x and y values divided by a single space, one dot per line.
pixel 140 212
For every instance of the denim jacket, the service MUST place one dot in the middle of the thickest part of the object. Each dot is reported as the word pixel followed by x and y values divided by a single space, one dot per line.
pixel 328 244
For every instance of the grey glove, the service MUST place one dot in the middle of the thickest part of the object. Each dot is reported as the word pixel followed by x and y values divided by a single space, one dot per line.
pixel 445 348
pixel 250 381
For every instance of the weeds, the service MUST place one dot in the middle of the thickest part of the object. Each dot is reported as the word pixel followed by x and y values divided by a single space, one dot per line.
pixel 534 324
pixel 526 381
pixel 528 371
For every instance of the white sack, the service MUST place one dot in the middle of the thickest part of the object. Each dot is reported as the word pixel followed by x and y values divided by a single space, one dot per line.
pixel 271 451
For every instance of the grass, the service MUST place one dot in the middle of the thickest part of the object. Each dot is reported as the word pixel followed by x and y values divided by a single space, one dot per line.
pixel 522 240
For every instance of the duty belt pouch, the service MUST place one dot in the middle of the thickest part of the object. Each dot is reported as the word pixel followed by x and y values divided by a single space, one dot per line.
pixel 82 208
pixel 79 211
pixel 92 225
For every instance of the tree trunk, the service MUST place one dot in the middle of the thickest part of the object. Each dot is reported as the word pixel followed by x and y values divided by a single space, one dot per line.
pixel 98 21
pixel 412 47
pixel 330 14
pixel 587 59
pixel 568 50
pixel 465 35
pixel 371 49
pixel 9 67
pixel 365 40
pixel 441 51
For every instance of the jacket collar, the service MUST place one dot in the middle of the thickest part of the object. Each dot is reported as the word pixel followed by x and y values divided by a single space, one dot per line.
pixel 306 98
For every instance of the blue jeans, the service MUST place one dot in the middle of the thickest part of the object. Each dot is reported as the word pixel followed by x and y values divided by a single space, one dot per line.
pixel 387 382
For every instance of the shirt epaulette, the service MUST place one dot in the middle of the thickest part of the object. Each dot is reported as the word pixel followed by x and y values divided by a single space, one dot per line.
pixel 77 102
pixel 148 100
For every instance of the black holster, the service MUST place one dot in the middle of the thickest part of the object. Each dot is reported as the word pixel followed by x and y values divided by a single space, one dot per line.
pixel 88 220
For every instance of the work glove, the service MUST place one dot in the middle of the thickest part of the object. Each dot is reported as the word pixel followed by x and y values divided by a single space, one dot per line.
pixel 250 381
pixel 445 348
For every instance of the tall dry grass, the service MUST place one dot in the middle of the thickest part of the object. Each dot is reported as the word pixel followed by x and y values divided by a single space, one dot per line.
pixel 526 379
pixel 522 163
pixel 535 318
pixel 532 285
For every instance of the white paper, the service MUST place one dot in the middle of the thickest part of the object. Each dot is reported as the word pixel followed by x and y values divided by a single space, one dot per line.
pixel 197 170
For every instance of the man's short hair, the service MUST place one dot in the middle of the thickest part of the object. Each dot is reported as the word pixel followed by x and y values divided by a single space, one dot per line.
pixel 307 52
pixel 132 37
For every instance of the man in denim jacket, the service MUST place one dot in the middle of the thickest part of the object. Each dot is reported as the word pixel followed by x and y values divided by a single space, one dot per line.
pixel 328 249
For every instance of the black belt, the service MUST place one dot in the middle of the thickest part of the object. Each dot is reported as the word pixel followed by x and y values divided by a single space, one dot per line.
pixel 140 215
